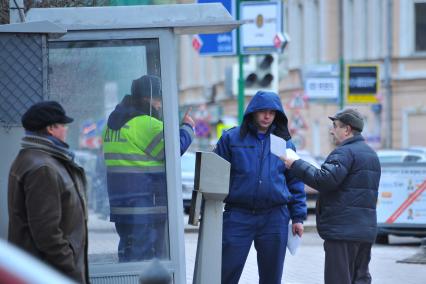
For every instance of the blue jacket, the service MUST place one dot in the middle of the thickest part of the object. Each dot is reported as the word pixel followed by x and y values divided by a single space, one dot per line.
pixel 348 183
pixel 259 179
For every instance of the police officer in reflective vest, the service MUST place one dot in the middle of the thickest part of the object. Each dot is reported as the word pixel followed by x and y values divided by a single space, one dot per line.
pixel 134 156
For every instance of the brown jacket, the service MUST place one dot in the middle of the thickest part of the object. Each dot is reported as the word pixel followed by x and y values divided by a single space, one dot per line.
pixel 47 207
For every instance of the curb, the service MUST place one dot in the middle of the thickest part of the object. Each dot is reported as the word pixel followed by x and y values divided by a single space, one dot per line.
pixel 194 229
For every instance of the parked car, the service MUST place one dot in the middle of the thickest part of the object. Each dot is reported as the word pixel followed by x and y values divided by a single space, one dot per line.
pixel 399 155
pixel 188 172
pixel 187 163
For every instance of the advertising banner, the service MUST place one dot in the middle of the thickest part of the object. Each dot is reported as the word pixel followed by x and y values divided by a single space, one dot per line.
pixel 402 194
pixel 362 83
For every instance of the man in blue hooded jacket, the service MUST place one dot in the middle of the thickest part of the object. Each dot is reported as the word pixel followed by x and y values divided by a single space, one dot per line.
pixel 263 195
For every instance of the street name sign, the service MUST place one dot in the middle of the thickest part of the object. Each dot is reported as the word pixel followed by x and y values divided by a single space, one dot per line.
pixel 217 44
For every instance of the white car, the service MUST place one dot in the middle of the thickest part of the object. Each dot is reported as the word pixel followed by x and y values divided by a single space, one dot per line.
pixel 187 162
pixel 188 173
pixel 399 156
pixel 311 194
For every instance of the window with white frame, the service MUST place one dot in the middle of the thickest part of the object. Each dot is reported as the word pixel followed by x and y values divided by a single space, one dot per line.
pixel 420 26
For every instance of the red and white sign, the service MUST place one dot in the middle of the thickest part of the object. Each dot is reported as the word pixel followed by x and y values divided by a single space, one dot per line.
pixel 197 43
pixel 278 40
pixel 298 101
pixel 402 194
pixel 408 202
pixel 297 122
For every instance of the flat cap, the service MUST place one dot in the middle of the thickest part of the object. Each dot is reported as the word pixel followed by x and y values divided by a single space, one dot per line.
pixel 350 117
pixel 43 114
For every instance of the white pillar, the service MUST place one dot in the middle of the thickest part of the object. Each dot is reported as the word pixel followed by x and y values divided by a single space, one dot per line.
pixel 16 9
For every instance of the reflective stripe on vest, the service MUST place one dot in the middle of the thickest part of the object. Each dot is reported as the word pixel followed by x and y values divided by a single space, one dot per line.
pixel 130 169
pixel 138 210
pixel 154 143
pixel 128 157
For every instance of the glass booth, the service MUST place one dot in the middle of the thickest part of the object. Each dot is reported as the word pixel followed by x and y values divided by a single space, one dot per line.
pixel 90 70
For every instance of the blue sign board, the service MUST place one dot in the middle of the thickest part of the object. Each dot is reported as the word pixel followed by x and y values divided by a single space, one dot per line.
pixel 223 43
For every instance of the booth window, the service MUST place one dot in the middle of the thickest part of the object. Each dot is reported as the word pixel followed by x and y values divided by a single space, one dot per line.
pixel 127 192
pixel 420 28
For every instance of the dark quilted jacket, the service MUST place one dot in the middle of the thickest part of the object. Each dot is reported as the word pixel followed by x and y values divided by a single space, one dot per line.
pixel 348 183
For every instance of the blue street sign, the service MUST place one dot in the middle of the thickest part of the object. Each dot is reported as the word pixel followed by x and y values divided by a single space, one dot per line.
pixel 223 43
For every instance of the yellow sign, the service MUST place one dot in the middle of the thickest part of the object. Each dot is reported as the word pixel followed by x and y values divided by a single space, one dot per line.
pixel 222 127
pixel 362 83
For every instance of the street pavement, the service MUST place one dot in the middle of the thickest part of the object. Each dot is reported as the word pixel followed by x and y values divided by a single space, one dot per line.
pixel 305 267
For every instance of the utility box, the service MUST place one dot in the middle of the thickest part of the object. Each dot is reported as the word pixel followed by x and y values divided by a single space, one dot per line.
pixel 211 186
pixel 86 59
pixel 212 175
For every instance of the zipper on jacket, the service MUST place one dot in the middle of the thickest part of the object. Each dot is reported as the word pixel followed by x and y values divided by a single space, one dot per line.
pixel 259 178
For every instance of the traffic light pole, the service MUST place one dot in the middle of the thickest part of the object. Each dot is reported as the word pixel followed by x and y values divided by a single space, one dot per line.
pixel 341 60
pixel 342 83
pixel 240 70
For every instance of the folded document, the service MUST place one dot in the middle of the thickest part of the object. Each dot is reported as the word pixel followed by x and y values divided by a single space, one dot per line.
pixel 293 241
pixel 279 148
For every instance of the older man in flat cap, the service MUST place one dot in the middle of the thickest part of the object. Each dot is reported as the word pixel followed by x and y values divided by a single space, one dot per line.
pixel 46 194
pixel 348 183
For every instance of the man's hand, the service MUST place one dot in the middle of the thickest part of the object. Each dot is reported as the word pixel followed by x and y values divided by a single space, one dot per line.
pixel 187 118
pixel 287 161
pixel 297 228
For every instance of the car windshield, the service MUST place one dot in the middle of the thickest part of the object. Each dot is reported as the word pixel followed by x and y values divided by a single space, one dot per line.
pixel 187 162
pixel 400 156
pixel 390 159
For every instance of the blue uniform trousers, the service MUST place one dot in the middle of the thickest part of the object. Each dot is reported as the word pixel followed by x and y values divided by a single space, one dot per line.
pixel 268 229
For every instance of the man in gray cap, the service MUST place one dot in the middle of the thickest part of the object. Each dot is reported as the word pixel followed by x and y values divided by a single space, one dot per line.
pixel 46 194
pixel 348 183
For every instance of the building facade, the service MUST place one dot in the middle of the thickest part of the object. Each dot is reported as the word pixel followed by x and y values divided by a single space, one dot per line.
pixel 325 34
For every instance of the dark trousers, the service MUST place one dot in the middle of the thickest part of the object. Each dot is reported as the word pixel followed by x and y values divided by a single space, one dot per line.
pixel 347 262
pixel 267 230
pixel 141 241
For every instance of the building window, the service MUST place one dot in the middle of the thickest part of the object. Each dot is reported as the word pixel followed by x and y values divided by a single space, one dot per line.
pixel 420 20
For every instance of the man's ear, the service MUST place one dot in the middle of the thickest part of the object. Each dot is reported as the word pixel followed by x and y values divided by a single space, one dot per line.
pixel 49 129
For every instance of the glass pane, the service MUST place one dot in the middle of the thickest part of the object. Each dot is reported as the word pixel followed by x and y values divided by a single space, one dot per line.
pixel 420 10
pixel 118 137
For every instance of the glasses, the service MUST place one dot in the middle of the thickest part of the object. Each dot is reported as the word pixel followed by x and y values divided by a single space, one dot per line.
pixel 335 125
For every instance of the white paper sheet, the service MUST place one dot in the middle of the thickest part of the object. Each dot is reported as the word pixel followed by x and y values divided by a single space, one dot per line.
pixel 278 146
pixel 293 241
pixel 291 154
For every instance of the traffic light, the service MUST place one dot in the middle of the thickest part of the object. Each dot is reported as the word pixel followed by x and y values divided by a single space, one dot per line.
pixel 260 73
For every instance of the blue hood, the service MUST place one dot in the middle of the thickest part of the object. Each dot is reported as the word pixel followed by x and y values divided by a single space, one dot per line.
pixel 266 101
